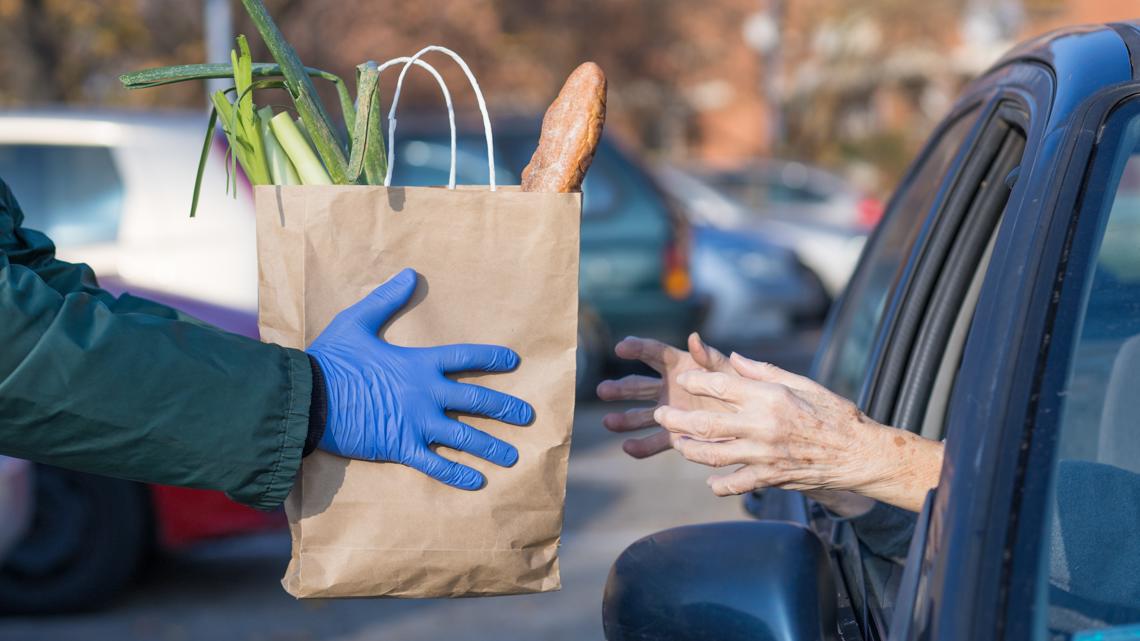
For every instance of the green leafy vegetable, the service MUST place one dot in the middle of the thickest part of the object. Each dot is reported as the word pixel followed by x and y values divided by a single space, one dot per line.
pixel 300 153
pixel 202 161
pixel 275 149
pixel 280 167
pixel 309 107
pixel 364 146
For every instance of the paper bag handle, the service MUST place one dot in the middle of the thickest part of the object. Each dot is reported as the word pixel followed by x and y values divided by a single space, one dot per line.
pixel 450 112
pixel 478 96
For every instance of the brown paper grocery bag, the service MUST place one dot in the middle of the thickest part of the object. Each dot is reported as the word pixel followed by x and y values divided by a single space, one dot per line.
pixel 496 267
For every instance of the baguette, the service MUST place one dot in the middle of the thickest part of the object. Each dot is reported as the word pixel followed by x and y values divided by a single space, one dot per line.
pixel 571 129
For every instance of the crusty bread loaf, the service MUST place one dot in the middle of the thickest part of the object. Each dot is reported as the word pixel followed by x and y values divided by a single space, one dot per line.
pixel 571 129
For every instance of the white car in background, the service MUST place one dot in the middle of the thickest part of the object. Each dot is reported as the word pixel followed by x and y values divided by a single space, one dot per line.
pixel 113 190
pixel 824 221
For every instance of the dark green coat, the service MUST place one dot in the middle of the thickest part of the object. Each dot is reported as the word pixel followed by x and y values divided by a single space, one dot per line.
pixel 129 388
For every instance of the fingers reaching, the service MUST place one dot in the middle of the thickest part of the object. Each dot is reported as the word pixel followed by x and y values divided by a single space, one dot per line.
pixel 707 357
pixel 629 420
pixel 630 388
pixel 767 372
pixel 647 446
pixel 700 424
pixel 718 454
pixel 653 353
pixel 728 388
pixel 739 482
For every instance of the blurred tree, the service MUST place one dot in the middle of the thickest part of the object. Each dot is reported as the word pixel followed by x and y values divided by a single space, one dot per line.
pixel 71 51
pixel 856 81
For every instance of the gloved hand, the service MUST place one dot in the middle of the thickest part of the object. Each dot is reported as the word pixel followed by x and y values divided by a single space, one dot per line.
pixel 387 403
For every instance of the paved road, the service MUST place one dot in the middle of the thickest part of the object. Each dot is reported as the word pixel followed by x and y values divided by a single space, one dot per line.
pixel 230 590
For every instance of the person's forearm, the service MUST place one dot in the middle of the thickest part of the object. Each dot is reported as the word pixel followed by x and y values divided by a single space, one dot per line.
pixel 147 398
pixel 841 503
pixel 898 467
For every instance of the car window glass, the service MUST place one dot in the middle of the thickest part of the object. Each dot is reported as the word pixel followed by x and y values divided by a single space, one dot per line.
pixel 1093 577
pixel 845 364
pixel 601 190
pixel 425 163
pixel 74 194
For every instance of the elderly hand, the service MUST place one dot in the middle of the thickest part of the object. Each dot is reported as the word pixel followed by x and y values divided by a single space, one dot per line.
pixel 787 431
pixel 669 362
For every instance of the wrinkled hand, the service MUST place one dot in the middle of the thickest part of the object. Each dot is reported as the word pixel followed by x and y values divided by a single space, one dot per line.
pixel 669 362
pixel 387 403
pixel 788 431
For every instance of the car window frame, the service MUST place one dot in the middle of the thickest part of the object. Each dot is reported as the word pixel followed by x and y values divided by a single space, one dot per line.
pixel 1025 549
pixel 838 321
pixel 910 297
pixel 914 356
pixel 904 313
pixel 980 106
pixel 1031 84
pixel 969 551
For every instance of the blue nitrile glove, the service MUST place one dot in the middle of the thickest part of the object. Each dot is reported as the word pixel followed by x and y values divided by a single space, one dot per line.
pixel 387 403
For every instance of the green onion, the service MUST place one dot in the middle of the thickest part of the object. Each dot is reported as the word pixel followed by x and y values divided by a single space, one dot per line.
pixel 367 145
pixel 300 153
pixel 280 167
pixel 274 149
pixel 246 128
pixel 304 94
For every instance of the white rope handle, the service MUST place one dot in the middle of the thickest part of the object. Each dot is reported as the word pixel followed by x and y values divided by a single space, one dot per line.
pixel 450 113
pixel 478 96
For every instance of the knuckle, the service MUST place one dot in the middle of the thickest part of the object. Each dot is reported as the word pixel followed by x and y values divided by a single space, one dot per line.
pixel 715 458
pixel 717 384
pixel 785 394
pixel 704 426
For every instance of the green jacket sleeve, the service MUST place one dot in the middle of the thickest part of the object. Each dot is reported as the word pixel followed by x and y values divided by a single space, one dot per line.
pixel 128 388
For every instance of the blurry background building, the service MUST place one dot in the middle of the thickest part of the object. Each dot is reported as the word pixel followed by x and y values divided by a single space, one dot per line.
pixel 721 81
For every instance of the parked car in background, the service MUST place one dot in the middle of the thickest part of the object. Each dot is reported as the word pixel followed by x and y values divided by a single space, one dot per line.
pixel 756 290
pixel 807 210
pixel 756 287
pixel 997 306
pixel 791 189
pixel 15 502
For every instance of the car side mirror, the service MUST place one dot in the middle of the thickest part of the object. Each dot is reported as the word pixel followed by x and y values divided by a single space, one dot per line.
pixel 754 580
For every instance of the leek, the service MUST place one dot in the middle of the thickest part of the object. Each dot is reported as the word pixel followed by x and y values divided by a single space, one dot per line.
pixel 367 153
pixel 304 94
pixel 158 76
pixel 308 166
pixel 281 169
